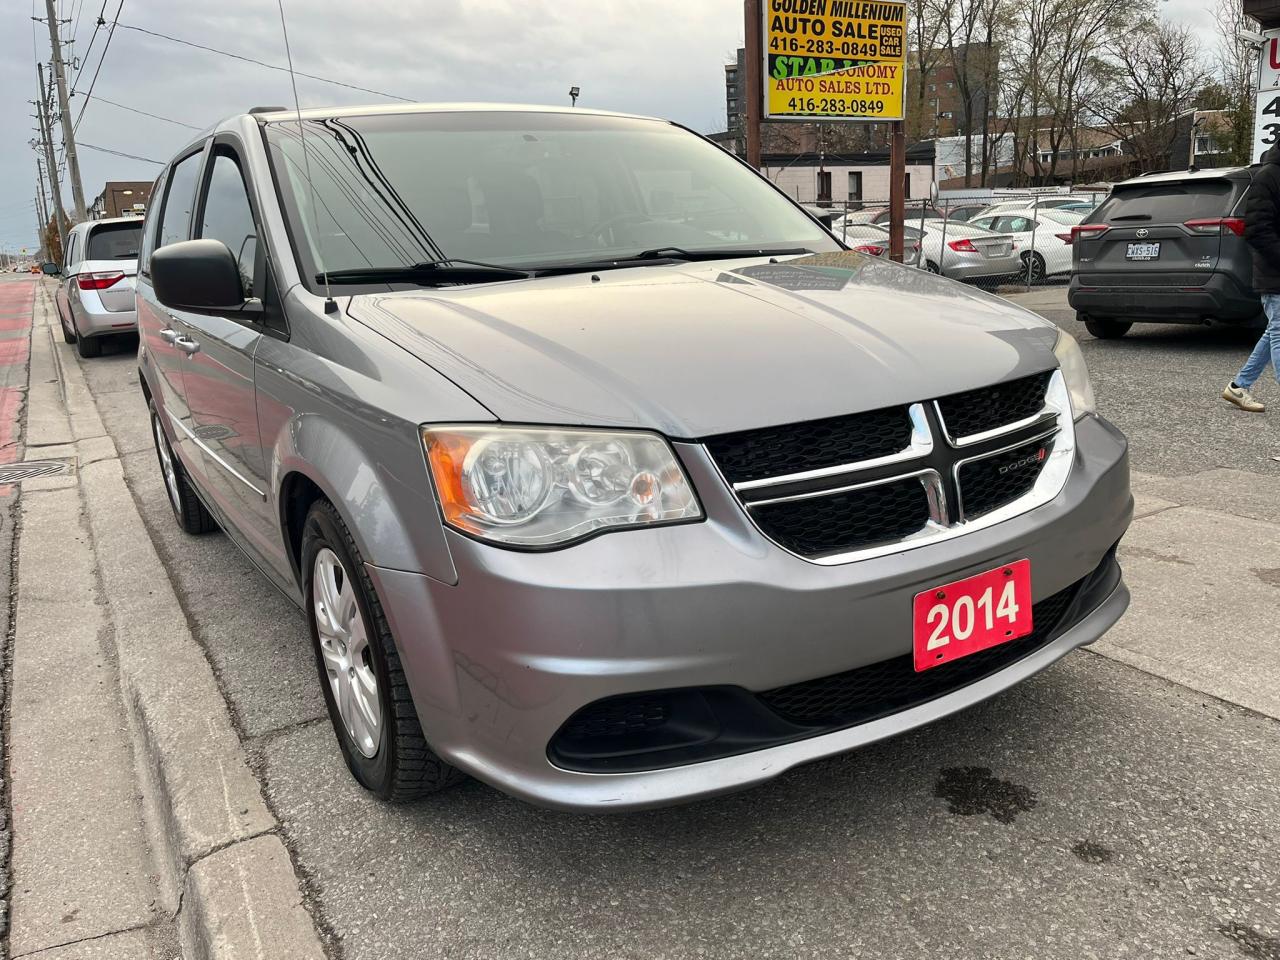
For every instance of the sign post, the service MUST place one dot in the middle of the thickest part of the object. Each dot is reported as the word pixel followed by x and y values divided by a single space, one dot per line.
pixel 833 60
pixel 754 80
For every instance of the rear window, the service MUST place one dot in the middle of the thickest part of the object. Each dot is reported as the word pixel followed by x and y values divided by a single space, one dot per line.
pixel 114 241
pixel 1168 202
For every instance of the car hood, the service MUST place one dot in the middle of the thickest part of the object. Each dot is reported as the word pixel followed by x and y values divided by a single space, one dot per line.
pixel 697 349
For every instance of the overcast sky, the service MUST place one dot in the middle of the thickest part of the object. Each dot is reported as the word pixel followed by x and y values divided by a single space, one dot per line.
pixel 659 57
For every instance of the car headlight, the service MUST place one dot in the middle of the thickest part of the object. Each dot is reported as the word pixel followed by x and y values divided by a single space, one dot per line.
pixel 542 486
pixel 1076 375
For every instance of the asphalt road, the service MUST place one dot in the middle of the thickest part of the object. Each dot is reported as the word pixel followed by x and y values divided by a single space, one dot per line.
pixel 1094 812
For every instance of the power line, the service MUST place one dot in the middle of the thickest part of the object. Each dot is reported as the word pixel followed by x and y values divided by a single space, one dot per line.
pixel 262 63
pixel 98 25
pixel 105 47
pixel 117 153
pixel 154 116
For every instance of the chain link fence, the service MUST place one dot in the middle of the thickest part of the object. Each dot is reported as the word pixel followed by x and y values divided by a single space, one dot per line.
pixel 954 232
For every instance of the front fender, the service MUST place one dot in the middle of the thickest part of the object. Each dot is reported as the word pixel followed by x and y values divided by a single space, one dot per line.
pixel 379 486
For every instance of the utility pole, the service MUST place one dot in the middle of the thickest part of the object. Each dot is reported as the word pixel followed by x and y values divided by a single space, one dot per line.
pixel 51 168
pixel 754 90
pixel 41 222
pixel 64 105
pixel 897 186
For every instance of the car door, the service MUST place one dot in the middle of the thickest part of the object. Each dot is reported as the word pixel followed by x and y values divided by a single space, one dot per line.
pixel 158 327
pixel 218 370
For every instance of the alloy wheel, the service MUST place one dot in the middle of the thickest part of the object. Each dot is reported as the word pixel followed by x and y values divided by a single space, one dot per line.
pixel 166 464
pixel 344 647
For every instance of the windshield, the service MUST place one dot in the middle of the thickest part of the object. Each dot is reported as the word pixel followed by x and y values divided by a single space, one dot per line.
pixel 518 189
pixel 114 241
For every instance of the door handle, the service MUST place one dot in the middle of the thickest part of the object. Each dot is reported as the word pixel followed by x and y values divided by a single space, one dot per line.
pixel 187 345
pixel 168 336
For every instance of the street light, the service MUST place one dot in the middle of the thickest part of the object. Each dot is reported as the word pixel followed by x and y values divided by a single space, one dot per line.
pixel 573 95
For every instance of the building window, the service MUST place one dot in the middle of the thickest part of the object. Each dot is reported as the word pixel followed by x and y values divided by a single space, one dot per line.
pixel 933 88
pixel 950 85
pixel 855 185
pixel 824 184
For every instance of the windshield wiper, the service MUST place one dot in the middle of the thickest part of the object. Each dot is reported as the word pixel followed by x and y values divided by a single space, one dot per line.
pixel 725 253
pixel 428 273
pixel 663 255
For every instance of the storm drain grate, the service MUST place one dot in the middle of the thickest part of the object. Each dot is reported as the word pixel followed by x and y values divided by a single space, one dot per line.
pixel 30 469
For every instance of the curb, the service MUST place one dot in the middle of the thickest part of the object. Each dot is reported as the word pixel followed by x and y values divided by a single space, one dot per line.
pixel 224 872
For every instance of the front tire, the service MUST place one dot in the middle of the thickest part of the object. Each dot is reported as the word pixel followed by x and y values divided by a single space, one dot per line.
pixel 360 672
pixel 932 267
pixel 1107 329
pixel 190 513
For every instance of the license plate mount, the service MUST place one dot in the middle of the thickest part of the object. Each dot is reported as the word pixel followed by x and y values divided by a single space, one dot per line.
pixel 966 616
pixel 1143 251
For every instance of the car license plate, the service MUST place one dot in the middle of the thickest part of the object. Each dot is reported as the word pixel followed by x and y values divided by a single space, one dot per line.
pixel 1143 251
pixel 957 619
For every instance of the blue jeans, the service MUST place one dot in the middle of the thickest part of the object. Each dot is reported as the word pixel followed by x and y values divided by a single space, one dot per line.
pixel 1268 348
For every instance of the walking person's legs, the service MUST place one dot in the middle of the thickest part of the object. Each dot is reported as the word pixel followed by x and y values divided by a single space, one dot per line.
pixel 1267 351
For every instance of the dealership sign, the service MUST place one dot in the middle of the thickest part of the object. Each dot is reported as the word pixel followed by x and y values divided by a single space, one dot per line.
pixel 1266 124
pixel 834 59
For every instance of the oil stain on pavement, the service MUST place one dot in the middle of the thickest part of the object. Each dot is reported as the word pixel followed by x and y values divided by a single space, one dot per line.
pixel 1090 851
pixel 1253 944
pixel 971 791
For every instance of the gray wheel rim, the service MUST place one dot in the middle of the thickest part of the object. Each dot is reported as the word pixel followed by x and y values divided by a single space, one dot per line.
pixel 166 464
pixel 344 648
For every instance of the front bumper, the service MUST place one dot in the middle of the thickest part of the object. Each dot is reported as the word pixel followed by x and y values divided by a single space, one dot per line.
pixel 500 661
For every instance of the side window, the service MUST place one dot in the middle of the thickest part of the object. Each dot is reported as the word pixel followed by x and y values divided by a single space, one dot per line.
pixel 228 217
pixel 150 223
pixel 175 218
pixel 72 243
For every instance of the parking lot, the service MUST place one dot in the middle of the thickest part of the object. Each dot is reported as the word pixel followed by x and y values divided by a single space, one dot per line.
pixel 1122 804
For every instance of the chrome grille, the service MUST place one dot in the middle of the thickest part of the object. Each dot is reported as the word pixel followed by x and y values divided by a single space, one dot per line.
pixel 1001 450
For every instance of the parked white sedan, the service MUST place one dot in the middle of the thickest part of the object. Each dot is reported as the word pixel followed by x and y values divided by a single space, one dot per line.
pixel 1039 235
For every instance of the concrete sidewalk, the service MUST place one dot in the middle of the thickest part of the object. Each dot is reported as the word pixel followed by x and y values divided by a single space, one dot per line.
pixel 139 829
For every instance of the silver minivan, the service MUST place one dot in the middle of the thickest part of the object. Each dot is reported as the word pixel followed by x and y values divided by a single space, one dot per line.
pixel 95 296
pixel 601 470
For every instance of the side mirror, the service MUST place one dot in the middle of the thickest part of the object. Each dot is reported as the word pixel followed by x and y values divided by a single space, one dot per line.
pixel 197 275
pixel 50 269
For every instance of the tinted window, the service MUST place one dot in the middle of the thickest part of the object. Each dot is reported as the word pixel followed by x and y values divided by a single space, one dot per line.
pixel 114 241
pixel 1167 202
pixel 984 222
pixel 175 221
pixel 228 216
pixel 518 188
pixel 73 245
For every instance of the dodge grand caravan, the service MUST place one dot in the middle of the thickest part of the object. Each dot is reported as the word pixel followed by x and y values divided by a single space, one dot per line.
pixel 602 472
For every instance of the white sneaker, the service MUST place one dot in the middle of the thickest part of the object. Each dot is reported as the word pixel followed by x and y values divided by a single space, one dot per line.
pixel 1242 398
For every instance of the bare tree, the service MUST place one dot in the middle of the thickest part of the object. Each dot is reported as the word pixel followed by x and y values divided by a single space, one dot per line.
pixel 925 31
pixel 1236 69
pixel 1156 72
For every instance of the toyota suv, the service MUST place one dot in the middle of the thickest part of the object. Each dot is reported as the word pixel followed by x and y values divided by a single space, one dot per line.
pixel 1166 248
pixel 602 472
